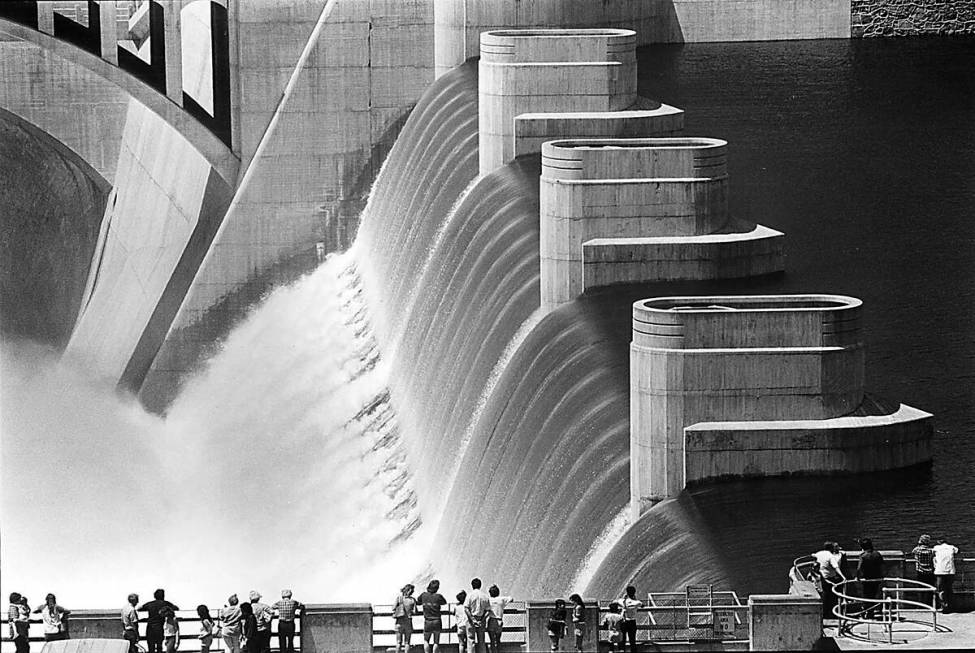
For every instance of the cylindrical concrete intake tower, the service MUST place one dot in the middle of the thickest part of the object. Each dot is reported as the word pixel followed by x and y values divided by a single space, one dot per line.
pixel 642 209
pixel 549 70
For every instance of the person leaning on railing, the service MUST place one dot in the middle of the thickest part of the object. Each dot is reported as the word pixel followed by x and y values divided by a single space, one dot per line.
pixel 18 620
pixel 829 562
pixel 286 610
pixel 924 561
pixel 870 571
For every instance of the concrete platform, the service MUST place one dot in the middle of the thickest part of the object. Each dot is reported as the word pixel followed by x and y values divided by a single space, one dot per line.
pixel 956 631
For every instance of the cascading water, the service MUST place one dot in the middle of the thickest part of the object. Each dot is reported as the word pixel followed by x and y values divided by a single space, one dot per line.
pixel 280 464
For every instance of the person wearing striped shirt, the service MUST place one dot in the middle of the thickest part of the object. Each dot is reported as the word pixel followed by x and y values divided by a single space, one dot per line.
pixel 286 610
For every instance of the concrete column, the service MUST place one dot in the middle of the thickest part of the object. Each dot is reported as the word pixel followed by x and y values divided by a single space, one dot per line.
pixel 536 622
pixel 337 627
pixel 174 49
pixel 624 188
pixel 95 624
pixel 45 17
pixel 109 32
pixel 732 359
pixel 524 71
pixel 783 622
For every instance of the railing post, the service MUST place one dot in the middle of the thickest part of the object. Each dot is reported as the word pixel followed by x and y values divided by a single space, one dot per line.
pixel 343 627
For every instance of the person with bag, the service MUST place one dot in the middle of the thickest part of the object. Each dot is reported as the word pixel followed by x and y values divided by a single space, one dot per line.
pixel 55 619
pixel 556 624
pixel 403 609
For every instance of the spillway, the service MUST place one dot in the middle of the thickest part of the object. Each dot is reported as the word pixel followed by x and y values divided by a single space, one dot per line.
pixel 515 422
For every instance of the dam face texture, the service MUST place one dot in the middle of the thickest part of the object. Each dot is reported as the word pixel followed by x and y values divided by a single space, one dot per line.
pixel 472 370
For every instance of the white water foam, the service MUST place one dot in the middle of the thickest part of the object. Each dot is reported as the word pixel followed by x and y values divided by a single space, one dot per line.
pixel 279 465
pixel 600 549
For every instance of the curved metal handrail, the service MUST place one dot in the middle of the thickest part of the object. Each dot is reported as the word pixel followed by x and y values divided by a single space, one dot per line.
pixel 850 609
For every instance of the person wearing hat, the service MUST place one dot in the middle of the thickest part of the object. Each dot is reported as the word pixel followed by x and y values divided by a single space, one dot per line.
pixel 263 615
pixel 924 561
pixel 286 610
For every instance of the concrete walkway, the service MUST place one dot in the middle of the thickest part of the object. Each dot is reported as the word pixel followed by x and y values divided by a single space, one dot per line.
pixel 955 631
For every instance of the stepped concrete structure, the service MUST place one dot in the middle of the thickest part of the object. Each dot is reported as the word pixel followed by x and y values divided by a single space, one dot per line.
pixel 536 85
pixel 732 386
pixel 636 210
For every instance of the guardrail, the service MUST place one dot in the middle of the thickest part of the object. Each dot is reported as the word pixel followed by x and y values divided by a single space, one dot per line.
pixel 887 612
pixel 189 623
pixel 515 625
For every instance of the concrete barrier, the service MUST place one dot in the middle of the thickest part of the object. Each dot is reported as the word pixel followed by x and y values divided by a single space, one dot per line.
pixel 647 209
pixel 337 627
pixel 784 622
pixel 97 624
pixel 755 386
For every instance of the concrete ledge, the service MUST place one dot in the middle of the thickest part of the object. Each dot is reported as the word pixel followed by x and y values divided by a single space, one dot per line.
pixel 851 444
pixel 608 261
pixel 534 129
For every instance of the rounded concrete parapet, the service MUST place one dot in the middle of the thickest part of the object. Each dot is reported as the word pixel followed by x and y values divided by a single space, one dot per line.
pixel 558 45
pixel 718 322
pixel 635 158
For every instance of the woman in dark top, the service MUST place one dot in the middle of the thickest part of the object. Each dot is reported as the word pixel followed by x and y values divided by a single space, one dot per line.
pixel 251 643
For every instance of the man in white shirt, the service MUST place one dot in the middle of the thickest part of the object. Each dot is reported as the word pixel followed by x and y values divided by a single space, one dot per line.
pixel 130 623
pixel 829 565
pixel 631 609
pixel 477 608
pixel 944 572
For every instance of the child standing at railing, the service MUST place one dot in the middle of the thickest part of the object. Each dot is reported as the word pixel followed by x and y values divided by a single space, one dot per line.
pixel 170 630
pixel 460 614
pixel 556 624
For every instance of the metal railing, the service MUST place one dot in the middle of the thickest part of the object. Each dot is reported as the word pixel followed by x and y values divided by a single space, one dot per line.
pixel 189 627
pixel 887 613
pixel 514 630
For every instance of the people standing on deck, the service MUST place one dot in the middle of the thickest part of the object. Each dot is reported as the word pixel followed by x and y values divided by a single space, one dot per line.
pixel 208 628
pixel 55 619
pixel 18 623
pixel 249 639
pixel 611 622
pixel 631 607
pixel 432 600
pixel 944 573
pixel 230 624
pixel 154 623
pixel 403 609
pixel 170 629
pixel 495 624
pixel 556 624
pixel 829 562
pixel 870 571
pixel 924 563
pixel 478 606
pixel 130 623
pixel 286 610
pixel 263 615
pixel 578 620
pixel 460 616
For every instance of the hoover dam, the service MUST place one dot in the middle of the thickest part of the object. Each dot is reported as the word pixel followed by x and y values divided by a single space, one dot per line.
pixel 342 295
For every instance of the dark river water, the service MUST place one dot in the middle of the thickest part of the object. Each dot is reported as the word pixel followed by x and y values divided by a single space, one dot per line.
pixel 863 153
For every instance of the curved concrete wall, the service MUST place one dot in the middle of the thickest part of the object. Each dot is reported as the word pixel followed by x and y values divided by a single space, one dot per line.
pixel 459 22
pixel 589 70
pixel 615 210
pixel 699 359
